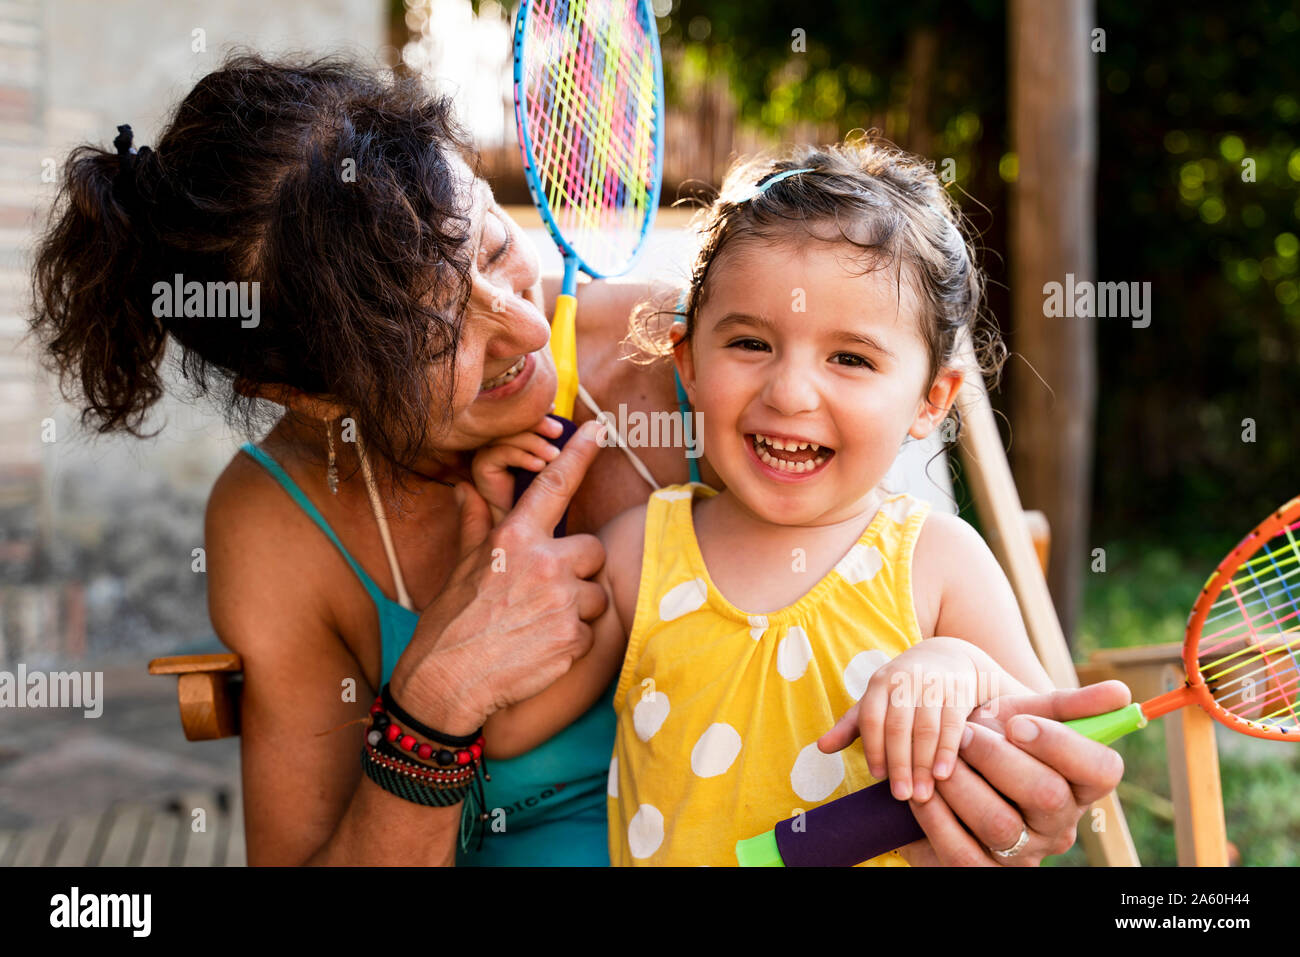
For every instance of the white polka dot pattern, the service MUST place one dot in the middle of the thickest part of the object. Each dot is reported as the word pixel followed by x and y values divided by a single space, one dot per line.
pixel 650 713
pixel 715 751
pixel 683 599
pixel 861 564
pixel 645 832
pixel 815 776
pixel 858 672
pixel 793 654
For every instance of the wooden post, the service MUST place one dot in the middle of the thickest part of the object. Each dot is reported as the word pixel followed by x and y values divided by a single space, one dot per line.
pixel 1054 135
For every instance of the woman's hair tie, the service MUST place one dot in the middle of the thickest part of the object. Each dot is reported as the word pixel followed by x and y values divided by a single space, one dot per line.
pixel 124 186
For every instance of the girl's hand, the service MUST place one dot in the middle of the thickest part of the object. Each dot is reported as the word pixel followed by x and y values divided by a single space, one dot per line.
pixel 913 713
pixel 529 450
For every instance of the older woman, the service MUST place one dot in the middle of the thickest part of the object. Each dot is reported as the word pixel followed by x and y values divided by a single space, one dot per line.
pixel 400 325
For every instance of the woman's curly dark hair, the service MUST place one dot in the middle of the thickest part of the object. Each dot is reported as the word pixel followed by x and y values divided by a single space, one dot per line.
pixel 363 267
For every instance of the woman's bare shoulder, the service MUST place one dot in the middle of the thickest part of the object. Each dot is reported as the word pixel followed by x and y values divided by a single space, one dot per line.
pixel 255 543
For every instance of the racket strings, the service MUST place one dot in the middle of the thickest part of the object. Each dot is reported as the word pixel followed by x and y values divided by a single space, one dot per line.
pixel 590 96
pixel 573 81
pixel 1251 661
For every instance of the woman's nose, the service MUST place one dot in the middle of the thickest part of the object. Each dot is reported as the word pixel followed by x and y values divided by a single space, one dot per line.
pixel 516 325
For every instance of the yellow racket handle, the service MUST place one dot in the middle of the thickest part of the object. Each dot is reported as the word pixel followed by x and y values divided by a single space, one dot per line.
pixel 564 349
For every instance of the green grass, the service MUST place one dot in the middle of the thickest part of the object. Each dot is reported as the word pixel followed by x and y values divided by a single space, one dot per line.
pixel 1143 598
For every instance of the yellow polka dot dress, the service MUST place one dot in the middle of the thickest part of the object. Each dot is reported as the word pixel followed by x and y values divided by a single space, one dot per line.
pixel 719 710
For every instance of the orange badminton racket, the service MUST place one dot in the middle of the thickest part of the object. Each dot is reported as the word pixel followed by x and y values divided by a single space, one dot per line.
pixel 1242 655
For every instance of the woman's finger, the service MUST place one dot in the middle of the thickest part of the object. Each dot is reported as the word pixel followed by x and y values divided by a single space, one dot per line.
pixel 592 600
pixel 1092 770
pixel 1060 705
pixel 950 844
pixel 995 821
pixel 1046 802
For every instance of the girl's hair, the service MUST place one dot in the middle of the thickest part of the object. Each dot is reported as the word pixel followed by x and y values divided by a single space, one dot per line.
pixel 886 202
pixel 323 183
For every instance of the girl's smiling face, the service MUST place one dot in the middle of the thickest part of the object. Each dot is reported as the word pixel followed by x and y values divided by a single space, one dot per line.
pixel 796 345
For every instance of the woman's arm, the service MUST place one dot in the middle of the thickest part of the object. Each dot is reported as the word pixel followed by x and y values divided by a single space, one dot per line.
pixel 305 798
pixel 522 727
pixel 488 640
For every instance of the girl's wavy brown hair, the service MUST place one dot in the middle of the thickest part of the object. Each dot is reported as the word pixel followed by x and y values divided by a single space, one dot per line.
pixel 886 202
pixel 363 278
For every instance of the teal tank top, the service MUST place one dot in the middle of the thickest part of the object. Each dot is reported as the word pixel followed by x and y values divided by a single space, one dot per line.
pixel 554 796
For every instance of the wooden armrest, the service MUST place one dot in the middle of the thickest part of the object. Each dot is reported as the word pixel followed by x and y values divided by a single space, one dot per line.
pixel 186 664
pixel 207 691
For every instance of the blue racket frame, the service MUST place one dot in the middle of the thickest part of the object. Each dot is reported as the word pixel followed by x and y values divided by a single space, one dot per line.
pixel 572 260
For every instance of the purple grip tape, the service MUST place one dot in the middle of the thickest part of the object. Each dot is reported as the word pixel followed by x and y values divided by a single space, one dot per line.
pixel 848 831
pixel 524 477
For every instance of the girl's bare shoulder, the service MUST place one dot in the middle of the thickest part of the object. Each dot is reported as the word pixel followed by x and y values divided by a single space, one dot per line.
pixel 946 545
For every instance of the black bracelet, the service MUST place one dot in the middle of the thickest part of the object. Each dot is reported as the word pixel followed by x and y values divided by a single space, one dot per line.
pixel 456 741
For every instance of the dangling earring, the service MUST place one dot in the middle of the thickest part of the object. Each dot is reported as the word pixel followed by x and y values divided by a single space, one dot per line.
pixel 332 470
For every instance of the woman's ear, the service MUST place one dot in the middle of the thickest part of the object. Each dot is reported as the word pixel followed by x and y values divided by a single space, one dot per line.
pixel 295 400
pixel 943 393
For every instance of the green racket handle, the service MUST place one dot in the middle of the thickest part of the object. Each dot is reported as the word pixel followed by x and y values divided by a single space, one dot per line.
pixel 1111 726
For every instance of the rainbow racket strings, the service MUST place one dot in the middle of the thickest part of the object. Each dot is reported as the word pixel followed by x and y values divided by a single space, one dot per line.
pixel 588 104
pixel 1248 653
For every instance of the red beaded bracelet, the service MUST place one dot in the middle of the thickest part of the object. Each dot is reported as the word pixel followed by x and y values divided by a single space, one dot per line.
pixel 402 738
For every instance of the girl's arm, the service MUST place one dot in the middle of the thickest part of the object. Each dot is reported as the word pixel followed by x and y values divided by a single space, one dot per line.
pixel 972 599
pixel 522 727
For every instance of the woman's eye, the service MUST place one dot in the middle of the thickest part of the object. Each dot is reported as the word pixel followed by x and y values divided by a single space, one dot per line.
pixel 748 345
pixel 499 246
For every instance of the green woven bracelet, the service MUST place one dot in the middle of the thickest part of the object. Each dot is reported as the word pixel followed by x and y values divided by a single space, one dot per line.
pixel 408 788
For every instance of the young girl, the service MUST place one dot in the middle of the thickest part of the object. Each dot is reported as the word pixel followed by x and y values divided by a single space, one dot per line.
pixel 760 629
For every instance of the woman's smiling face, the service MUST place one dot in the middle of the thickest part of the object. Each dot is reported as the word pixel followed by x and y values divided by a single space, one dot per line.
pixel 504 333
pixel 790 348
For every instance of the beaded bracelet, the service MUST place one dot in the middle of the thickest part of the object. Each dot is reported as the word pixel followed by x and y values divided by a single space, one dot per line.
pixel 404 739
pixel 426 772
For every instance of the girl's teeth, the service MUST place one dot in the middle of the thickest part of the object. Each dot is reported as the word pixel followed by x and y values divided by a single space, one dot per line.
pixel 781 465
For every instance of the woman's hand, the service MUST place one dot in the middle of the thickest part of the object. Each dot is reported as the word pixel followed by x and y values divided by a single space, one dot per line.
pixel 1038 781
pixel 514 613
pixel 529 450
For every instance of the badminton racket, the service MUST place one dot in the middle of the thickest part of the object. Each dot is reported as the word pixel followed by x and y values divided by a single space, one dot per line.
pixel 1242 658
pixel 588 90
